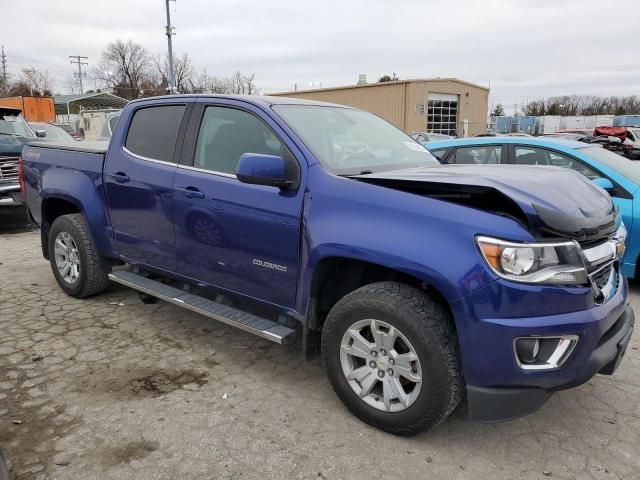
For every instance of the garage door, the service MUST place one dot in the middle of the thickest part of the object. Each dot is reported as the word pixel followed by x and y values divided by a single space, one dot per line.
pixel 442 113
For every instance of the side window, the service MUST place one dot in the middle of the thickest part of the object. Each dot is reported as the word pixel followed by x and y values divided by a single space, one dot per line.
pixel 154 130
pixel 559 160
pixel 481 155
pixel 531 156
pixel 226 134
pixel 540 156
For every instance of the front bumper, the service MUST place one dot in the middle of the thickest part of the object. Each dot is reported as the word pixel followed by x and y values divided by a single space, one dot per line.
pixel 497 388
pixel 499 404
pixel 11 199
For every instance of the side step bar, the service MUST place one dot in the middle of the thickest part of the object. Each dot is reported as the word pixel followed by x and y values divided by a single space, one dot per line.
pixel 248 322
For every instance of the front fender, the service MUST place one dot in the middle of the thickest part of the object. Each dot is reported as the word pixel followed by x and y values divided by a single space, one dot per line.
pixel 429 239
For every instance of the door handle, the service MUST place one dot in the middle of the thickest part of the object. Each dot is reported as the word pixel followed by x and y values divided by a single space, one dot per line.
pixel 191 192
pixel 120 177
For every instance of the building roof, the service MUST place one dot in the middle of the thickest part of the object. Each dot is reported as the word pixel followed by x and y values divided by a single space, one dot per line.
pixel 89 101
pixel 380 84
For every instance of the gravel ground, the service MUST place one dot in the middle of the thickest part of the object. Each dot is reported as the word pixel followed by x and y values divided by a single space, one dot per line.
pixel 111 387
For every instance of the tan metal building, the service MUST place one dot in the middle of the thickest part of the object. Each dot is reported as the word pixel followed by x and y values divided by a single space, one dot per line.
pixel 439 105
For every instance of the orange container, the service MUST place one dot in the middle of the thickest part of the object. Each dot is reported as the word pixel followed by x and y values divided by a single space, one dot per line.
pixel 34 109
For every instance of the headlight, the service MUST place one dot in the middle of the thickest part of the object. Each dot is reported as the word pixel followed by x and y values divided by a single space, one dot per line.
pixel 547 263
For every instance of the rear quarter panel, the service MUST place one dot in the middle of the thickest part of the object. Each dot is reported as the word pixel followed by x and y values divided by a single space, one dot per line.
pixel 73 176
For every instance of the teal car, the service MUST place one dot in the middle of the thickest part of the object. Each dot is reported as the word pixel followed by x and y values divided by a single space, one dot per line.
pixel 616 174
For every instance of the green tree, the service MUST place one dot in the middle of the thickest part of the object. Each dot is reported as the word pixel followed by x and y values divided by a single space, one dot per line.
pixel 498 111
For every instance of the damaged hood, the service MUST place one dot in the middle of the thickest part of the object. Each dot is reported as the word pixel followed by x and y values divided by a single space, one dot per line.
pixel 551 202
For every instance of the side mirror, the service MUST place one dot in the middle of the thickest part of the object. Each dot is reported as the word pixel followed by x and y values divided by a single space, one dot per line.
pixel 262 169
pixel 604 183
pixel 41 133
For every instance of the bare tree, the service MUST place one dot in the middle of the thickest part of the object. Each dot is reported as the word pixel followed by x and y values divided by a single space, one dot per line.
pixel 124 67
pixel 242 85
pixel 20 89
pixel 182 72
pixel 584 105
pixel 250 85
pixel 38 82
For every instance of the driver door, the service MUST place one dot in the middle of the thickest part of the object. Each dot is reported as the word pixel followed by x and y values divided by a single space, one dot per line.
pixel 235 236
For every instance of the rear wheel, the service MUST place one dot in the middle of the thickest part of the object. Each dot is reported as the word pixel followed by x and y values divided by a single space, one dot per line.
pixel 390 353
pixel 74 258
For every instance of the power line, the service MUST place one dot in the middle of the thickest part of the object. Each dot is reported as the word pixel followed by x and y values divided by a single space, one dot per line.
pixel 79 62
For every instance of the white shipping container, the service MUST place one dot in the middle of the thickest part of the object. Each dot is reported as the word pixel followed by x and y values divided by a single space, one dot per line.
pixel 586 121
pixel 604 120
pixel 547 124
pixel 572 122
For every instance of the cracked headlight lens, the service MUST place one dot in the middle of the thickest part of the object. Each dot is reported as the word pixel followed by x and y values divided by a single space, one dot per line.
pixel 546 263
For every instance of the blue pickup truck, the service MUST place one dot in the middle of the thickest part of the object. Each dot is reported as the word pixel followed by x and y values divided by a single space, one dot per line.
pixel 324 225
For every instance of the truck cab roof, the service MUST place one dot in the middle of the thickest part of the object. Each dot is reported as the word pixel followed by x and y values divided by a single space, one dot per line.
pixel 262 100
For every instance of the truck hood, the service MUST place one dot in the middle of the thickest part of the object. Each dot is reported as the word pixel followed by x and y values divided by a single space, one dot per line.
pixel 550 202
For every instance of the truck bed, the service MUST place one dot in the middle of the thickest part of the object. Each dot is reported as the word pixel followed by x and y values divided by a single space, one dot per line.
pixel 92 146
pixel 73 169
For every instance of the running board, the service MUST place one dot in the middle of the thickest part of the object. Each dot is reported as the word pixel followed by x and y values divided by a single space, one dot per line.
pixel 248 322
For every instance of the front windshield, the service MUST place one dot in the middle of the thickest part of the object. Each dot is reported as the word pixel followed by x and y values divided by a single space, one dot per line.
pixel 14 125
pixel 627 168
pixel 350 142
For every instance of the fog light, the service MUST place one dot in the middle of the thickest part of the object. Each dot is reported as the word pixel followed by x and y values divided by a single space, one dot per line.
pixel 543 353
pixel 528 349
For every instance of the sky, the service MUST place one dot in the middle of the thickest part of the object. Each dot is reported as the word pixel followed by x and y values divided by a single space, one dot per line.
pixel 523 50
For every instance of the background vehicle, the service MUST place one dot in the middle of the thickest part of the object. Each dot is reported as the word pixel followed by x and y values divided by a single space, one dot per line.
pixel 70 130
pixel 14 135
pixel 622 176
pixel 109 125
pixel 290 218
pixel 429 136
pixel 52 132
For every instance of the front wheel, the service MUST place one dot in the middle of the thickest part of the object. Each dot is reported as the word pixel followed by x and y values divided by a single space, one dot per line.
pixel 391 355
pixel 74 258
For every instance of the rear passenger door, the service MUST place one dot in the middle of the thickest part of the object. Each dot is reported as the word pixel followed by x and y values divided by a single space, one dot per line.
pixel 138 179
pixel 232 235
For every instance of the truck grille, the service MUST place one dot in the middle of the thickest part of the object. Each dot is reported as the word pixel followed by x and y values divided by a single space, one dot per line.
pixel 601 260
pixel 601 277
pixel 9 173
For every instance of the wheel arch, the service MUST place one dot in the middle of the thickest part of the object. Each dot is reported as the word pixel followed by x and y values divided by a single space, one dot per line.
pixel 336 276
pixel 53 207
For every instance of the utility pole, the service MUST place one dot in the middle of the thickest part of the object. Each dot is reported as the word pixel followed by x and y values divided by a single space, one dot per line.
pixel 169 33
pixel 4 70
pixel 79 62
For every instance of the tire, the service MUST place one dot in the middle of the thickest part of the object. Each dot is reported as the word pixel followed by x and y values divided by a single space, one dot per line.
pixel 424 328
pixel 91 277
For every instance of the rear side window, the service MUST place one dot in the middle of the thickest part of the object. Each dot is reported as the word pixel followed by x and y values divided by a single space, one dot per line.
pixel 480 155
pixel 154 130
